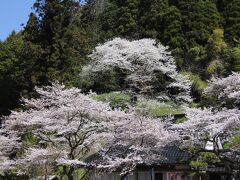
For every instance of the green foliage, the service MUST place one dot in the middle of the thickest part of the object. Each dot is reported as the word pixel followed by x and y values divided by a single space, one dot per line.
pixel 120 18
pixel 196 54
pixel 215 66
pixel 59 35
pixel 172 31
pixel 103 82
pixel 151 17
pixel 232 21
pixel 198 164
pixel 108 20
pixel 236 59
pixel 231 58
pixel 10 50
pixel 11 72
pixel 13 176
pixel 181 120
pixel 198 85
pixel 115 99
pixel 215 49
pixel 233 143
pixel 78 174
pixel 127 17
pixel 216 43
pixel 28 140
pixel 200 18
pixel 204 159
pixel 190 28
pixel 54 42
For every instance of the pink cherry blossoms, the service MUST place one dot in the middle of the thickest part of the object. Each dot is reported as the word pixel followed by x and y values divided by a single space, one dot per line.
pixel 145 66
pixel 67 125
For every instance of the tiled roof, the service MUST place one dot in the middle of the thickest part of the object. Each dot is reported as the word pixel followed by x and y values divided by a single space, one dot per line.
pixel 165 155
pixel 174 155
pixel 168 155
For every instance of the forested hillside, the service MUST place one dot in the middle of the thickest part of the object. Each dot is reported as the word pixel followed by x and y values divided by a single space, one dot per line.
pixel 203 36
pixel 86 77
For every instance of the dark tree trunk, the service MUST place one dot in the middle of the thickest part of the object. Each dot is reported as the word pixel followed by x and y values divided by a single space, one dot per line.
pixel 70 177
pixel 68 172
pixel 123 176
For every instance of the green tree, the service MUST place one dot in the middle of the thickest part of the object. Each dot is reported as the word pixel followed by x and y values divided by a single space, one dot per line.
pixel 216 43
pixel 214 49
pixel 127 24
pixel 231 57
pixel 107 21
pixel 236 59
pixel 200 18
pixel 94 19
pixel 151 17
pixel 11 79
pixel 54 42
pixel 172 23
pixel 232 21
pixel 118 18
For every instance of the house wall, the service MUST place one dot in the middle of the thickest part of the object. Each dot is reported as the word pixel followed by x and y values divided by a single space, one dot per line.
pixel 164 172
pixel 147 175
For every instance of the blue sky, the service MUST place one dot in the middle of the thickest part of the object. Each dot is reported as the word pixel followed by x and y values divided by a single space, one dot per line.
pixel 13 13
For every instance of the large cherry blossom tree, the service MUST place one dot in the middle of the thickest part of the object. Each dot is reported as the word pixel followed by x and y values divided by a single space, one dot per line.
pixel 68 125
pixel 143 66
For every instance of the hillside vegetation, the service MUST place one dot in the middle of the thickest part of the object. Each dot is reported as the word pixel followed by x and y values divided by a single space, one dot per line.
pixel 98 75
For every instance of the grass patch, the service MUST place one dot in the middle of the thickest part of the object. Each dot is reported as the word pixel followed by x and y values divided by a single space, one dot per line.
pixel 158 109
pixel 165 111
pixel 181 120
pixel 152 107
pixel 115 99
pixel 198 84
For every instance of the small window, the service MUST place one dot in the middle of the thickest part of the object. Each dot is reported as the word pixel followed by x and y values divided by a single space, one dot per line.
pixel 158 176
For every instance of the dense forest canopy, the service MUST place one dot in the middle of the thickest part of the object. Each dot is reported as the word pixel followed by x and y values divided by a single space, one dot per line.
pixel 148 59
pixel 203 36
